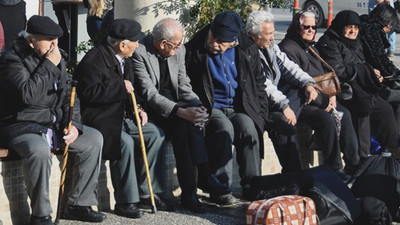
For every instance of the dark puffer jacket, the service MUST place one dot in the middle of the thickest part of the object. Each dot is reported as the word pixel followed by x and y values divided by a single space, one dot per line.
pixel 34 93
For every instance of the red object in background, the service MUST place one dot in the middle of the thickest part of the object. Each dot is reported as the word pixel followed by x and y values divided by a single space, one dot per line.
pixel 330 13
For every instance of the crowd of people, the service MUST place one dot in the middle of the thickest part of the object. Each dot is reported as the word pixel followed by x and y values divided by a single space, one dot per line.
pixel 225 87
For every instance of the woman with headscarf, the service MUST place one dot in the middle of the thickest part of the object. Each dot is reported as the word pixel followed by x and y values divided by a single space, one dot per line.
pixel 341 48
pixel 298 46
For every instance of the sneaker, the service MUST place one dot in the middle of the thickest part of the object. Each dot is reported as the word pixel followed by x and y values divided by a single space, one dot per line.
pixel 43 220
pixel 226 199
pixel 161 203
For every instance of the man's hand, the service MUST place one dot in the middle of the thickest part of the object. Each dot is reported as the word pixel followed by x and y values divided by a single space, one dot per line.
pixel 128 86
pixel 311 93
pixel 143 117
pixel 197 115
pixel 53 54
pixel 290 116
pixel 71 136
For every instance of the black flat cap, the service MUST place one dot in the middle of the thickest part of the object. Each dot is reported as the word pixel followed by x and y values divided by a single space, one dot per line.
pixel 226 26
pixel 125 29
pixel 45 26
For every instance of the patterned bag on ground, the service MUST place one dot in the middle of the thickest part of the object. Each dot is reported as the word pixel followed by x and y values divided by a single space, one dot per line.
pixel 287 209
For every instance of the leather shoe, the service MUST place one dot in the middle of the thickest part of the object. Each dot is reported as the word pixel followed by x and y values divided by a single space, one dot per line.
pixel 161 203
pixel 342 175
pixel 213 186
pixel 84 213
pixel 129 210
pixel 44 220
pixel 227 199
pixel 191 203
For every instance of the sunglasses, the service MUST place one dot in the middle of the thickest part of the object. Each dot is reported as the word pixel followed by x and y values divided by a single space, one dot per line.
pixel 306 27
pixel 355 27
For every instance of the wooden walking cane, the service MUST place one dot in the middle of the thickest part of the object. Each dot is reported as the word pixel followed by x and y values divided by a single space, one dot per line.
pixel 146 165
pixel 65 153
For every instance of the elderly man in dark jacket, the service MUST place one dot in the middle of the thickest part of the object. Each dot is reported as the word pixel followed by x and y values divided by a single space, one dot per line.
pixel 35 98
pixel 225 71
pixel 106 79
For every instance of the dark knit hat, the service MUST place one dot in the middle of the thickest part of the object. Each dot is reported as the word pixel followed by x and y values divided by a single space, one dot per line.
pixel 125 29
pixel 45 26
pixel 226 26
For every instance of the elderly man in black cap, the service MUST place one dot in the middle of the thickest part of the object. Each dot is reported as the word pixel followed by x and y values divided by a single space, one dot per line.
pixel 106 80
pixel 35 98
pixel 225 71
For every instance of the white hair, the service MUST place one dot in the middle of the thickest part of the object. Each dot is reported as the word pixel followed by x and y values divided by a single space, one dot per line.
pixel 304 15
pixel 114 42
pixel 256 20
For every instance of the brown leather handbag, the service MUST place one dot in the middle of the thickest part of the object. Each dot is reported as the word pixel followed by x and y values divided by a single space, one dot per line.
pixel 327 83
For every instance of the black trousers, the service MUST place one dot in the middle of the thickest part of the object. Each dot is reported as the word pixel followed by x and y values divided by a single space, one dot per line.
pixel 381 122
pixel 327 138
pixel 189 149
pixel 226 128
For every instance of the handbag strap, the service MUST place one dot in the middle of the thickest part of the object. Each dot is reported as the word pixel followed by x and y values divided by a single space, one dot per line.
pixel 320 59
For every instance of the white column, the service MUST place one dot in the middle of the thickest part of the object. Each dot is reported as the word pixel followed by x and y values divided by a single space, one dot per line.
pixel 148 12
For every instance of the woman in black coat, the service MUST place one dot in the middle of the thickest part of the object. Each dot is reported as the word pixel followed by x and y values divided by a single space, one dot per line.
pixel 341 48
pixel 299 38
pixel 373 36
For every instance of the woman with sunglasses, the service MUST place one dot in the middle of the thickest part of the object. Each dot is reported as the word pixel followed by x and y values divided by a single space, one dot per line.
pixel 341 47
pixel 296 44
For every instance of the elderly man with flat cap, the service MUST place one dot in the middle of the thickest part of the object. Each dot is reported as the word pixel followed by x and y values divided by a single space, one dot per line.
pixel 106 80
pixel 225 71
pixel 35 97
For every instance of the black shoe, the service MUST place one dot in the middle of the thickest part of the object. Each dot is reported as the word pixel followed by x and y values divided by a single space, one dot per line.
pixel 213 186
pixel 342 175
pixel 84 213
pixel 191 203
pixel 129 210
pixel 227 199
pixel 161 203
pixel 44 220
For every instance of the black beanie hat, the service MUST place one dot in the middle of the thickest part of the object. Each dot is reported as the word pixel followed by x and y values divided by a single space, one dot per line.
pixel 226 26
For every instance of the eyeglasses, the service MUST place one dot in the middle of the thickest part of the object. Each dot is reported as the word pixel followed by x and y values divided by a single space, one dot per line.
pixel 355 27
pixel 306 27
pixel 174 46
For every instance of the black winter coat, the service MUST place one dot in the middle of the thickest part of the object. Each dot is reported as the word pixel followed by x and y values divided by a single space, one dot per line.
pixel 375 42
pixel 297 51
pixel 250 98
pixel 350 65
pixel 103 95
pixel 34 94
